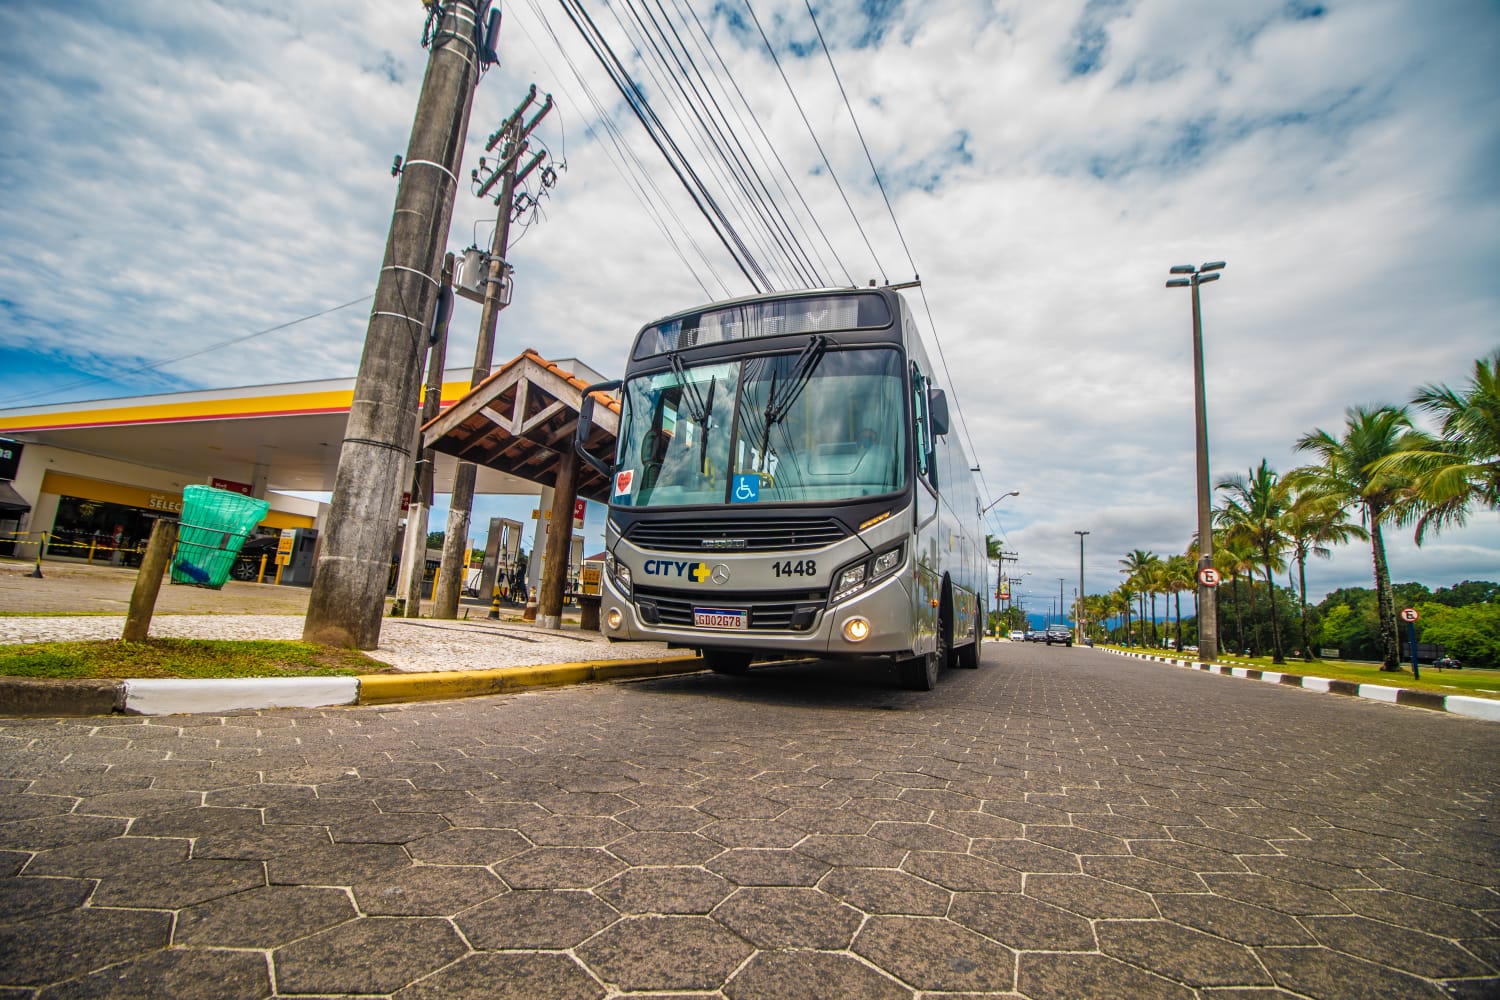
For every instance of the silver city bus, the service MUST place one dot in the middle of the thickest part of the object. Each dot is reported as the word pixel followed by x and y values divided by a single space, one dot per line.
pixel 784 483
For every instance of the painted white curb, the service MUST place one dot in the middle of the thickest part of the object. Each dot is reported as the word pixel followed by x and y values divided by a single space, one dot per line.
pixel 1376 692
pixel 1478 708
pixel 174 697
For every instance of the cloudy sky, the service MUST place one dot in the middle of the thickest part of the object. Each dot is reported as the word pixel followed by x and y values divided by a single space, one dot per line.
pixel 177 176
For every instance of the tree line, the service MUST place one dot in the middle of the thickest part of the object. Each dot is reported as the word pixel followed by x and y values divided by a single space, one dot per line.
pixel 1378 472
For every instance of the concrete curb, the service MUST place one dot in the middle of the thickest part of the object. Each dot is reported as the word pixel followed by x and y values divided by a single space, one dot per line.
pixel 1457 704
pixel 25 696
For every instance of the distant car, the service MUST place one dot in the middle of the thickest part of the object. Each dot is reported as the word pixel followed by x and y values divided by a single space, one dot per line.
pixel 247 563
pixel 1058 633
pixel 1018 635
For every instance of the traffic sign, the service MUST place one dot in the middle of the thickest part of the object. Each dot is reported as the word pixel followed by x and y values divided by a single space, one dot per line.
pixel 1208 576
pixel 1408 614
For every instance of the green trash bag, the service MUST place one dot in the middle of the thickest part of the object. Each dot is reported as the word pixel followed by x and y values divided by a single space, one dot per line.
pixel 214 526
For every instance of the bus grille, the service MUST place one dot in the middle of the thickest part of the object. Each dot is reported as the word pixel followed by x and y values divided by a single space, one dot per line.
pixel 746 535
pixel 789 613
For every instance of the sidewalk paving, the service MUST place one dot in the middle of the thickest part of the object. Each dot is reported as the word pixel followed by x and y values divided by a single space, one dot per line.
pixel 436 658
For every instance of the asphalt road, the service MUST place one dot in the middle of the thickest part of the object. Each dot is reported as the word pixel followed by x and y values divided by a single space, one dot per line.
pixel 1057 824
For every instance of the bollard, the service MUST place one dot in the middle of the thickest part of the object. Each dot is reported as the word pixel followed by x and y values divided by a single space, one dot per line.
pixel 36 573
pixel 495 602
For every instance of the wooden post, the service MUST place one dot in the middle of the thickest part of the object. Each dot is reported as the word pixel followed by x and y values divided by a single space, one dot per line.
pixel 148 580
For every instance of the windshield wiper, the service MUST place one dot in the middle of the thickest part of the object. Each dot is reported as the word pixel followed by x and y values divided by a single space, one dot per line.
pixel 699 408
pixel 778 405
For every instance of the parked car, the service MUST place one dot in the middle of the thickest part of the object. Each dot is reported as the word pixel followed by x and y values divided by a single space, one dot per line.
pixel 1058 633
pixel 1018 635
pixel 247 563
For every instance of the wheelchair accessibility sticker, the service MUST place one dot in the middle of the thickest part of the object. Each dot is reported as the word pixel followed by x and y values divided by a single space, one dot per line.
pixel 746 489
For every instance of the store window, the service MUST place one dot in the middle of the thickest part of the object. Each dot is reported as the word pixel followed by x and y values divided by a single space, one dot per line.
pixel 103 532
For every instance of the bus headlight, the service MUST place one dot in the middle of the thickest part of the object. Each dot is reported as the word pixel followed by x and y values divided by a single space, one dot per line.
pixel 857 576
pixel 857 629
pixel 613 619
pixel 851 581
pixel 620 573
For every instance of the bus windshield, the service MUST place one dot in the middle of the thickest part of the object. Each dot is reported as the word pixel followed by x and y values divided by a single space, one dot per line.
pixel 815 426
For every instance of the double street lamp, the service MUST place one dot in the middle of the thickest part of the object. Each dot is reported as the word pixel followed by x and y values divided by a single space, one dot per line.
pixel 1208 627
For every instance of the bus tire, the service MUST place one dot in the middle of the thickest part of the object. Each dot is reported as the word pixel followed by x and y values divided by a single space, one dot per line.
pixel 920 673
pixel 727 661
pixel 968 655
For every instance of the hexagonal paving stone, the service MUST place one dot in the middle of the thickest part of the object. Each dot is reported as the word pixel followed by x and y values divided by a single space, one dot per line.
pixel 882 890
pixel 1398 947
pixel 22 806
pixel 1193 857
pixel 259 843
pixel 740 806
pixel 664 953
pixel 1318 972
pixel 387 828
pixel 468 846
pixel 336 864
pixel 138 802
pixel 63 945
pixel 755 867
pixel 856 852
pixel 173 886
pixel 665 890
pixel 531 919
pixel 183 974
pixel 262 918
pixel 803 975
pixel 975 824
pixel 29 898
pixel 1446 890
pixel 962 872
pixel 1416 912
pixel 559 867
pixel 789 918
pixel 118 856
pixel 1021 922
pixel 507 977
pixel 1091 897
pixel 367 955
pixel 665 849
pixel 934 954
pixel 1228 918
pixel 919 836
pixel 427 890
pixel 1147 876
pixel 1187 956
pixel 1275 894
pixel 828 821
pixel 1313 873
pixel 1026 856
pixel 1069 977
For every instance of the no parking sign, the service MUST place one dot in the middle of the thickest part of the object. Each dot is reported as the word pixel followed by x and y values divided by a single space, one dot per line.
pixel 1208 576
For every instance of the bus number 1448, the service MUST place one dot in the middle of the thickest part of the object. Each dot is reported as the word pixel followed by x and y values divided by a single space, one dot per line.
pixel 802 567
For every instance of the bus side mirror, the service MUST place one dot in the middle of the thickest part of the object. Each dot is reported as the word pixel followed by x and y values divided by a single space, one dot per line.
pixel 586 426
pixel 937 411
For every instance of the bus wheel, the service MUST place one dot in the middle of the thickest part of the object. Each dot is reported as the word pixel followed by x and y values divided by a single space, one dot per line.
pixel 727 661
pixel 968 656
pixel 920 673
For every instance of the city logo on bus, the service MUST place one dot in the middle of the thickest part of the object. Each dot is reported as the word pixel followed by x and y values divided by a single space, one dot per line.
pixel 686 569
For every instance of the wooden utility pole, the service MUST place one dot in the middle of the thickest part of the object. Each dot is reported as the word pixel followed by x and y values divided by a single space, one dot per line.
pixel 148 580
pixel 513 132
pixel 348 593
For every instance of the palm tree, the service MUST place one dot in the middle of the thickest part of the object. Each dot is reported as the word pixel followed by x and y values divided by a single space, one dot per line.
pixel 1350 472
pixel 1234 559
pixel 1255 509
pixel 1313 523
pixel 1460 468
pixel 1137 568
pixel 1179 576
pixel 993 548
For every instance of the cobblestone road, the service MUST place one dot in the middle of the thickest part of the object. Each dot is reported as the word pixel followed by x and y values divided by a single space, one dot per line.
pixel 1058 824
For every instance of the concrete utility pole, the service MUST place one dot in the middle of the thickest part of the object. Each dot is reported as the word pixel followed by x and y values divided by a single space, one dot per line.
pixel 348 593
pixel 513 132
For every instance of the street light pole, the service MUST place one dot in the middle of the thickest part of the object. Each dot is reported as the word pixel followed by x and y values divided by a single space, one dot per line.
pixel 1208 626
pixel 1078 622
pixel 1000 562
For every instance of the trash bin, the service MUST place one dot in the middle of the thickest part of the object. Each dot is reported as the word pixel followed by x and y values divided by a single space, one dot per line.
pixel 214 526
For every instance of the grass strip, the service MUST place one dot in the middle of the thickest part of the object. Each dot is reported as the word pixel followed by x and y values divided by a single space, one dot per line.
pixel 184 658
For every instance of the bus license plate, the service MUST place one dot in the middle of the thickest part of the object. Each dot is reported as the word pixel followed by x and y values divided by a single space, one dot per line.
pixel 722 618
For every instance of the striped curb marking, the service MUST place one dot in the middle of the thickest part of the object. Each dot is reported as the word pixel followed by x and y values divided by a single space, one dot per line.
pixel 1457 704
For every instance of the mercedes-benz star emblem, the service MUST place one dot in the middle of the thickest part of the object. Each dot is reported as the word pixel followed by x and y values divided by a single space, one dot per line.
pixel 720 574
